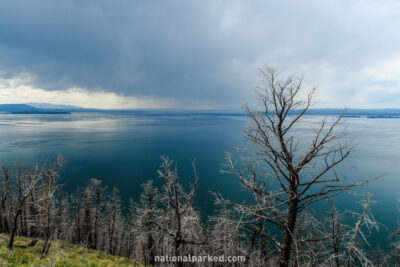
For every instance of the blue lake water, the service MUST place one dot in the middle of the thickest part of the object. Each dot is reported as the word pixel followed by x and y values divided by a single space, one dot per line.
pixel 123 150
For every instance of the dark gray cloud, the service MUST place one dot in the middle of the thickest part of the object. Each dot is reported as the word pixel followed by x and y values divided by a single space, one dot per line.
pixel 201 53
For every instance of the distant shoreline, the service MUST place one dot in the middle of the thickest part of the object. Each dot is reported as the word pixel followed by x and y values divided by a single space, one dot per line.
pixel 49 112
pixel 59 109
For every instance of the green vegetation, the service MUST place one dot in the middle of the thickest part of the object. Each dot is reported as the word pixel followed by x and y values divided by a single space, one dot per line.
pixel 59 255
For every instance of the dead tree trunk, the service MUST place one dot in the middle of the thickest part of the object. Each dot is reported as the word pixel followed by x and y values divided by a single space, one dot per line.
pixel 4 222
pixel 15 222
pixel 288 231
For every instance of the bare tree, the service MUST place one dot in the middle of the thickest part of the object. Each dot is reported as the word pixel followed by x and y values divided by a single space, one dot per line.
pixel 40 176
pixel 47 213
pixel 146 212
pixel 25 190
pixel 226 236
pixel 392 257
pixel 114 221
pixel 63 221
pixel 287 173
pixel 5 201
pixel 346 237
pixel 178 214
pixel 336 229
pixel 93 198
pixel 355 238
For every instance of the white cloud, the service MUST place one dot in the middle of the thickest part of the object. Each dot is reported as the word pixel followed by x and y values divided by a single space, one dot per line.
pixel 18 90
pixel 385 70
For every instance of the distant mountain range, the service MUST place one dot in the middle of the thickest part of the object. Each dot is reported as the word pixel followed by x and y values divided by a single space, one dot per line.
pixel 28 109
pixel 52 106
pixel 44 108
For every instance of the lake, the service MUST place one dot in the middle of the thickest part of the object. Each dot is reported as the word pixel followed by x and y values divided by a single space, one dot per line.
pixel 123 150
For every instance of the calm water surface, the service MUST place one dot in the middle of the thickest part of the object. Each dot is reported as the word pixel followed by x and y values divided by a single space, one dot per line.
pixel 124 151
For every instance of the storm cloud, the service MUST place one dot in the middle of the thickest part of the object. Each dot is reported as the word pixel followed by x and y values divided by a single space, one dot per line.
pixel 204 54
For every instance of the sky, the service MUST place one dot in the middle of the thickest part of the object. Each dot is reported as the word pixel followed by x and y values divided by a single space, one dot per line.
pixel 197 54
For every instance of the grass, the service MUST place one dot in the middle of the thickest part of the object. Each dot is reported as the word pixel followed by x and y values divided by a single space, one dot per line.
pixel 66 256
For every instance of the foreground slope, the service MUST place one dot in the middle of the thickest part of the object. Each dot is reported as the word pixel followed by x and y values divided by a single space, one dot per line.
pixel 60 255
